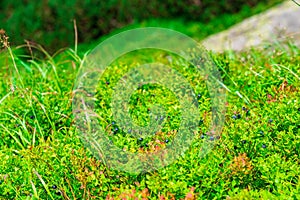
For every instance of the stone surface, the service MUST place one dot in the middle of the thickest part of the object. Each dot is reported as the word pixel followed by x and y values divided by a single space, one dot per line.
pixel 277 23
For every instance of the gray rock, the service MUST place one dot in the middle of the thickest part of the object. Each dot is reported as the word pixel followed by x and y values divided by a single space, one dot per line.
pixel 276 24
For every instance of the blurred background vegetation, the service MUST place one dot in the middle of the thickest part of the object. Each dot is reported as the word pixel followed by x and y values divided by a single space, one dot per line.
pixel 51 22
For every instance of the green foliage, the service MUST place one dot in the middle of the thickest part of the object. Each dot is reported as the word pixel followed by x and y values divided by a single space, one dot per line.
pixel 50 23
pixel 42 157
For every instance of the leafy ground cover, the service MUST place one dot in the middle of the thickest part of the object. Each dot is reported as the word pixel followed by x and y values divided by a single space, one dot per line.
pixel 256 157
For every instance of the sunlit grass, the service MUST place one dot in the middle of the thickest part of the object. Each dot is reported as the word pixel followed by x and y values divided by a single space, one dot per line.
pixel 42 156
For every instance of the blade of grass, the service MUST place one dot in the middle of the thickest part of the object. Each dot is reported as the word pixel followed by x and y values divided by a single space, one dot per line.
pixel 245 98
pixel 296 2
pixel 49 61
pixel 46 114
pixel 76 35
pixel 35 194
pixel 21 134
pixel 5 96
pixel 37 65
pixel 43 183
pixel 291 71
pixel 9 132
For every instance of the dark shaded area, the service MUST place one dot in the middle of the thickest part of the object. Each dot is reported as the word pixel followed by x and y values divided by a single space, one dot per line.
pixel 50 22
